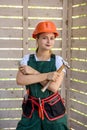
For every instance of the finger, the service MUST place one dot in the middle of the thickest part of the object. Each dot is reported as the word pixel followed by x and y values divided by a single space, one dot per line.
pixel 58 74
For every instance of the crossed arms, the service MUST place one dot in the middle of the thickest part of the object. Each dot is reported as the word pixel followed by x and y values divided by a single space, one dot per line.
pixel 27 75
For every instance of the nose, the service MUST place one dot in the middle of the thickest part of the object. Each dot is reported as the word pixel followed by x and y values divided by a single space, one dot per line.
pixel 48 40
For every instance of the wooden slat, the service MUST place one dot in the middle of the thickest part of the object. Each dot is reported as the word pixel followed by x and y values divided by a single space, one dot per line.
pixel 79 75
pixel 10 54
pixel 45 3
pixel 79 10
pixel 8 74
pixel 79 65
pixel 79 54
pixel 11 33
pixel 78 96
pixel 11 22
pixel 9 64
pixel 79 32
pixel 79 22
pixel 79 1
pixel 78 107
pixel 79 43
pixel 79 117
pixel 7 2
pixel 79 86
pixel 11 94
pixel 33 23
pixel 11 103
pixel 11 11
pixel 9 84
pixel 77 126
pixel 45 13
pixel 11 44
pixel 8 123
pixel 10 113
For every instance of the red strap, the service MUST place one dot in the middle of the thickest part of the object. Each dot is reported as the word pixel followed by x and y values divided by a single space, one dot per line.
pixel 41 112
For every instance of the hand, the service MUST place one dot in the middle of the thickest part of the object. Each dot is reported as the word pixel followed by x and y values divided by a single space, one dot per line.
pixel 54 85
pixel 53 76
pixel 27 70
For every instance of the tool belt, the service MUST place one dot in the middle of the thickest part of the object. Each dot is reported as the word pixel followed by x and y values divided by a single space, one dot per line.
pixel 52 107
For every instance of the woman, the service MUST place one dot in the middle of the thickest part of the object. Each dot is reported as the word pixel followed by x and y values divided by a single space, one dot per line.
pixel 42 110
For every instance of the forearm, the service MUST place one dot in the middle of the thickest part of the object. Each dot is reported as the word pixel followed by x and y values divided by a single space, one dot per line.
pixel 54 86
pixel 22 79
pixel 27 70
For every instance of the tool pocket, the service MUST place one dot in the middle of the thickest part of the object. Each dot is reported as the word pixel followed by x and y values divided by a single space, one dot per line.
pixel 27 108
pixel 54 108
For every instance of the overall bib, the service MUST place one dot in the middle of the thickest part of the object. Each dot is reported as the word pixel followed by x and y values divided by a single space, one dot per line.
pixel 34 121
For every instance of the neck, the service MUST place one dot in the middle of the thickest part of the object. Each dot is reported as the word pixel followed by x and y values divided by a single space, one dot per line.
pixel 43 55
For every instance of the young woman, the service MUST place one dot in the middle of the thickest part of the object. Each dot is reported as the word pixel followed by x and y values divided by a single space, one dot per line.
pixel 42 110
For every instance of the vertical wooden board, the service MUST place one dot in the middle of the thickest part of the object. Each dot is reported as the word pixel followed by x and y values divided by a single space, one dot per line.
pixel 25 27
pixel 68 83
pixel 64 40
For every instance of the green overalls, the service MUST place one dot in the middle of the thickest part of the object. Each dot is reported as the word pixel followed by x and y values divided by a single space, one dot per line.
pixel 35 122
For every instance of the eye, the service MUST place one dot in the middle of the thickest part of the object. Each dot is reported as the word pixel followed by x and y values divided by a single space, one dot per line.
pixel 44 37
pixel 52 38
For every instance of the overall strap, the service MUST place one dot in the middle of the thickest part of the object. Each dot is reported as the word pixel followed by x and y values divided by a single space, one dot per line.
pixel 52 57
pixel 32 57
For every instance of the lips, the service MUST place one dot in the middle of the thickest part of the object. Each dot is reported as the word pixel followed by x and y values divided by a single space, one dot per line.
pixel 48 45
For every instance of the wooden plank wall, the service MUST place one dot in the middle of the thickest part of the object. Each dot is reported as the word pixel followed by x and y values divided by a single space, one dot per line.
pixel 10 54
pixel 77 56
pixel 17 21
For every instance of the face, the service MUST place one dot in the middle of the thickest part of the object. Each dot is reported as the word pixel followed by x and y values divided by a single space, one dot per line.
pixel 46 41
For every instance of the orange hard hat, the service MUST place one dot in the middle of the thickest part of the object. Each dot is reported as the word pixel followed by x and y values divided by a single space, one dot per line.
pixel 45 26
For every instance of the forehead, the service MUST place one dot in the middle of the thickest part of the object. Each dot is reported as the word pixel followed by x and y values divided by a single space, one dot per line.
pixel 47 34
